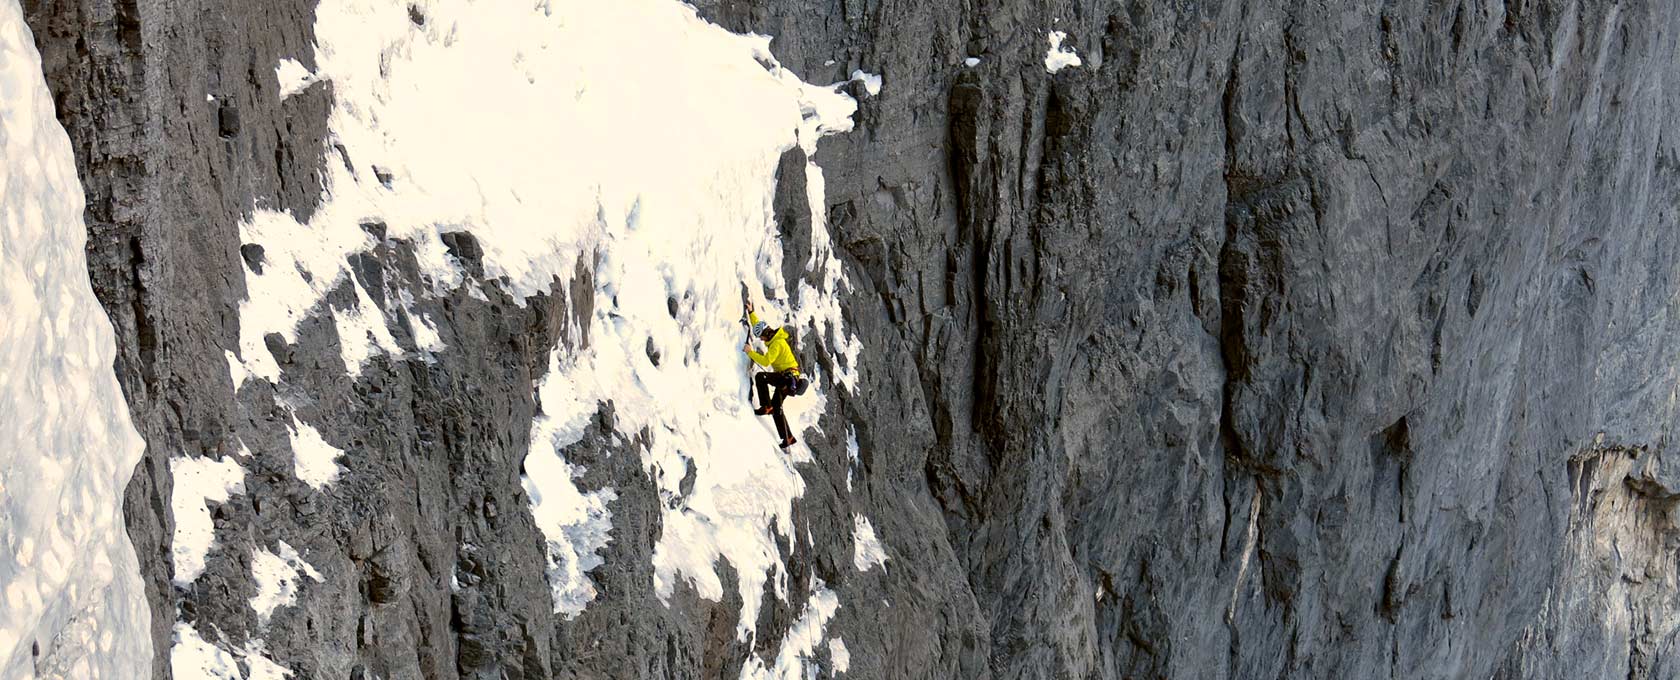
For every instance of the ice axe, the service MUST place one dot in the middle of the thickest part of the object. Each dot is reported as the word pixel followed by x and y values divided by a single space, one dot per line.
pixel 746 328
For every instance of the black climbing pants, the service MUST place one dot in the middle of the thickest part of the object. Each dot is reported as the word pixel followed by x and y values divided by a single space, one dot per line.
pixel 784 383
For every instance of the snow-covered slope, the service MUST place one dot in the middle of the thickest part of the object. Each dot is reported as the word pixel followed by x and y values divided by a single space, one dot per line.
pixel 71 603
pixel 632 137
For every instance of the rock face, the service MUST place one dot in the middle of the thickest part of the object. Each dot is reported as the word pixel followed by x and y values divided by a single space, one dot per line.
pixel 1273 340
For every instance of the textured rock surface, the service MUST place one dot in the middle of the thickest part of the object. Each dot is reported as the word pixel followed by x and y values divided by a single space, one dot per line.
pixel 1274 340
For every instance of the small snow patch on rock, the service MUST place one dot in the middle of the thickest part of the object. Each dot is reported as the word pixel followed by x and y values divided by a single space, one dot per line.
pixel 871 82
pixel 362 332
pixel 293 77
pixel 1059 57
pixel 851 457
pixel 314 461
pixel 867 552
pixel 577 526
pixel 800 643
pixel 276 576
pixel 198 481
pixel 841 658
pixel 194 657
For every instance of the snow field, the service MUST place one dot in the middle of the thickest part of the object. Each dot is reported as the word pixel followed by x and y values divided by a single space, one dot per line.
pixel 69 582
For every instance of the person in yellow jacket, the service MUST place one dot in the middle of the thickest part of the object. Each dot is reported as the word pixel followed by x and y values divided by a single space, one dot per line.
pixel 783 375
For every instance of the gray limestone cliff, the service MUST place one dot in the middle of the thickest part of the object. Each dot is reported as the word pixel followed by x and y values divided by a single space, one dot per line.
pixel 1275 340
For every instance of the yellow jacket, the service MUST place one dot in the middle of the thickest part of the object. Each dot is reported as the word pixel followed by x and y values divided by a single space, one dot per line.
pixel 778 356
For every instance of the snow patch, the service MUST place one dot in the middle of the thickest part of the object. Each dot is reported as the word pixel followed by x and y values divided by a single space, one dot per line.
pixel 797 658
pixel 294 77
pixel 971 62
pixel 426 337
pixel 276 576
pixel 841 658
pixel 362 332
pixel 300 267
pixel 191 656
pixel 262 667
pixel 867 552
pixel 69 580
pixel 194 657
pixel 576 525
pixel 1059 57
pixel 198 482
pixel 314 461
pixel 852 458
pixel 236 370
pixel 871 82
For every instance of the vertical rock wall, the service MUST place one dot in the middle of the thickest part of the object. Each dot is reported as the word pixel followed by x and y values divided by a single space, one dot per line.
pixel 1273 340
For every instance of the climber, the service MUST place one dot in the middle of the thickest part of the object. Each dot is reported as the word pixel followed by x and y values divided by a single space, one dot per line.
pixel 783 374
